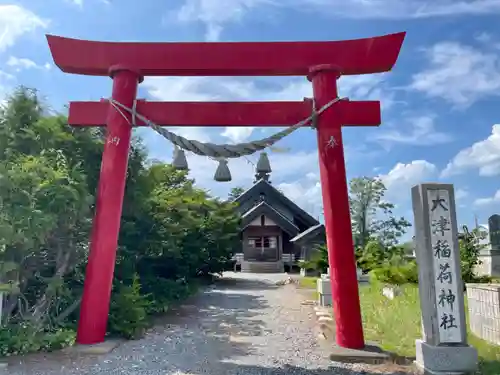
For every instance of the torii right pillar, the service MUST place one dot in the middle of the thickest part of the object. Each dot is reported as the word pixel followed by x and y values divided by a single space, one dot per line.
pixel 341 256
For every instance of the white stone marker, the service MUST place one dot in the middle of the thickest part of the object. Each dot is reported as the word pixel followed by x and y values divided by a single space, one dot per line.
pixel 443 348
pixel 324 289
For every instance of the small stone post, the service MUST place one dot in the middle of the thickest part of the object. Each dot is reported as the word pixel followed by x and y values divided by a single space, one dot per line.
pixel 494 231
pixel 443 348
pixel 494 250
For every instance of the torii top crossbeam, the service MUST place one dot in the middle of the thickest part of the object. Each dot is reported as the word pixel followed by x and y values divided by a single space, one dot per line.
pixel 359 56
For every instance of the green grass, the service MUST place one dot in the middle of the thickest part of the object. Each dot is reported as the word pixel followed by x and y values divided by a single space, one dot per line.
pixel 308 282
pixel 395 324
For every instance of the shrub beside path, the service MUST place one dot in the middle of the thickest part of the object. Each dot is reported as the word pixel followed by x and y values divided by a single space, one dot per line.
pixel 245 324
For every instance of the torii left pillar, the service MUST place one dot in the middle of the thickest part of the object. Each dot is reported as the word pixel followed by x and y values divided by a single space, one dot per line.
pixel 94 309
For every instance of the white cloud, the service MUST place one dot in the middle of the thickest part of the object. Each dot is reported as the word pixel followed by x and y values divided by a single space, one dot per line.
pixel 461 194
pixel 488 201
pixel 80 3
pixel 216 14
pixel 238 134
pixel 178 88
pixel 6 80
pixel 367 87
pixel 484 37
pixel 306 193
pixel 422 133
pixel 6 76
pixel 300 183
pixel 396 9
pixel 402 177
pixel 233 89
pixel 242 169
pixel 459 74
pixel 483 155
pixel 21 63
pixel 15 21
pixel 364 87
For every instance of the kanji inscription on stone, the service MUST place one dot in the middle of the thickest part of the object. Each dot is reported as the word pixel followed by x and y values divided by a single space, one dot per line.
pixel 445 271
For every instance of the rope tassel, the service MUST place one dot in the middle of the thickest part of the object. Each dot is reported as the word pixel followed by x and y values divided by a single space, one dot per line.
pixel 222 174
pixel 180 161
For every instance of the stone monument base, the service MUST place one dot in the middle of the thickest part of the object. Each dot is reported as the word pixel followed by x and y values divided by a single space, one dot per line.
pixel 449 360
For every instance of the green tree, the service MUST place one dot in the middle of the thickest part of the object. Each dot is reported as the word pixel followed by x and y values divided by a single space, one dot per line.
pixel 172 234
pixel 189 235
pixel 45 204
pixel 471 245
pixel 235 193
pixel 371 216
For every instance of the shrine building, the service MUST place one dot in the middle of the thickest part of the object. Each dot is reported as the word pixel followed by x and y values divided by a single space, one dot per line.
pixel 275 232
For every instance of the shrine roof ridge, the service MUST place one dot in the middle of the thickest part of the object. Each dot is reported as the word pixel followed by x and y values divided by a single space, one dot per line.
pixel 358 56
pixel 276 195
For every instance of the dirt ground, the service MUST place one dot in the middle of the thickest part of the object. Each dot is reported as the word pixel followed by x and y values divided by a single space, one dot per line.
pixel 245 324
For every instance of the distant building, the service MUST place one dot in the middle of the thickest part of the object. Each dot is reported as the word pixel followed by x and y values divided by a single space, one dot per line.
pixel 276 233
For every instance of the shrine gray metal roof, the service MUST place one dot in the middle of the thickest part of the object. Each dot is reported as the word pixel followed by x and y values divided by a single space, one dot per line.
pixel 275 194
pixel 265 209
pixel 312 231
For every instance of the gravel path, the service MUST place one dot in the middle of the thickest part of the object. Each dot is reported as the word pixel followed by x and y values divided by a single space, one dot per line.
pixel 244 325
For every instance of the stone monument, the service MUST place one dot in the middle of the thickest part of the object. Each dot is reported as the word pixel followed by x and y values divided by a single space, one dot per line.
pixel 490 256
pixel 1 306
pixel 494 231
pixel 443 348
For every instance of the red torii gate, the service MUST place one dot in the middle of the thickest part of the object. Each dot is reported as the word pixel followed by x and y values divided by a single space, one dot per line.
pixel 127 63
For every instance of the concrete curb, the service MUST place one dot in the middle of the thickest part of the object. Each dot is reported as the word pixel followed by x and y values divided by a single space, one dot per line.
pixel 96 349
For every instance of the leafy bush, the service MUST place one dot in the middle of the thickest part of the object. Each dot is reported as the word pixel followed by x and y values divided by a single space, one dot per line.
pixel 372 256
pixel 318 260
pixel 17 339
pixel 128 311
pixel 165 292
pixel 307 265
pixel 396 274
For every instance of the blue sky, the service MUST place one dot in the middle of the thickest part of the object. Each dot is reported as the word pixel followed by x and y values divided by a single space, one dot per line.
pixel 438 103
